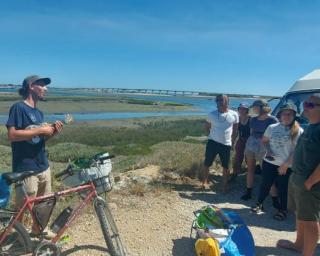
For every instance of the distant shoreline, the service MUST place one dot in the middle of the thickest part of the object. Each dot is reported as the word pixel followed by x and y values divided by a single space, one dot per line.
pixel 106 91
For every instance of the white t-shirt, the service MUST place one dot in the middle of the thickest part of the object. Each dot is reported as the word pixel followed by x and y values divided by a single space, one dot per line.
pixel 221 125
pixel 280 142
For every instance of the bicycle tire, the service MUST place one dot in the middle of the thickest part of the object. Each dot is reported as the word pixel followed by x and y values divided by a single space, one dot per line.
pixel 109 230
pixel 18 242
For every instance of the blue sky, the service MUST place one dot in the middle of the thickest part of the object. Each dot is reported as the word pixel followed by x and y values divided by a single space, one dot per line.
pixel 254 47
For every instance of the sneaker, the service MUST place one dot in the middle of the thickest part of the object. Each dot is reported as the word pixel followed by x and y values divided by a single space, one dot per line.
pixel 246 197
pixel 257 209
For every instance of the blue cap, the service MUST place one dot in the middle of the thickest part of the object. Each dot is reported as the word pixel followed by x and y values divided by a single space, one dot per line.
pixel 243 105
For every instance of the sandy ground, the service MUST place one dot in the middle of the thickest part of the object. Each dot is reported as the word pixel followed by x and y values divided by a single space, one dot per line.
pixel 158 223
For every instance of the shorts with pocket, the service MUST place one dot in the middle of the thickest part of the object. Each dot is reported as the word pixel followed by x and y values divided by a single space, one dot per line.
pixel 305 203
pixel 36 185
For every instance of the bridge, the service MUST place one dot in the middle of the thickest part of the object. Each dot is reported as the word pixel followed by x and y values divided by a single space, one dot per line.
pixel 150 91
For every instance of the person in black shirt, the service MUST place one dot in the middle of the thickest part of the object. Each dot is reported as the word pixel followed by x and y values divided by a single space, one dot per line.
pixel 243 135
pixel 304 183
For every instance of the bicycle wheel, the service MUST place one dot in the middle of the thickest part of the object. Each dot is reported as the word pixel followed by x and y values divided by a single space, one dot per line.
pixel 109 229
pixel 17 242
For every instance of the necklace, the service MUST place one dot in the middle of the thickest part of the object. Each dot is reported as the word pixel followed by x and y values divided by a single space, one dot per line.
pixel 220 116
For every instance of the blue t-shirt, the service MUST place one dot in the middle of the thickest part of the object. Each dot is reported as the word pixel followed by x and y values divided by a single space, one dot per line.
pixel 258 127
pixel 27 155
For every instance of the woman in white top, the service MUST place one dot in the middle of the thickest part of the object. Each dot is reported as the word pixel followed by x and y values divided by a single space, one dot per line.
pixel 280 140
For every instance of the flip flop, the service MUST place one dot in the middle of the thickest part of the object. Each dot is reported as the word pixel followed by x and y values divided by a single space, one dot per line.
pixel 286 244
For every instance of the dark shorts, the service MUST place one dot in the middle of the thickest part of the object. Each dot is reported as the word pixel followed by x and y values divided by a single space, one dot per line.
pixel 305 203
pixel 212 149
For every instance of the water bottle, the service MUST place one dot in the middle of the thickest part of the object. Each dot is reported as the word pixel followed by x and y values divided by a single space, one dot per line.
pixel 61 220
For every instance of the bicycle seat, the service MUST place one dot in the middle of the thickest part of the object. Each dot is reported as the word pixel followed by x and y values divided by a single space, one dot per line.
pixel 14 177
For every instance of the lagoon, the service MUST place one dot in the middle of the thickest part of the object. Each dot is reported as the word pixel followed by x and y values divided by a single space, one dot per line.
pixel 201 107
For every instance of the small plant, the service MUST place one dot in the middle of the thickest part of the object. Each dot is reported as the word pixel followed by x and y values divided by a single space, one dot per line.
pixel 138 189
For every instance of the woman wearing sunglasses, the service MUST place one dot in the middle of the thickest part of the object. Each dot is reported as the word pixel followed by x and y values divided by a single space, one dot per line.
pixel 304 183
pixel 280 140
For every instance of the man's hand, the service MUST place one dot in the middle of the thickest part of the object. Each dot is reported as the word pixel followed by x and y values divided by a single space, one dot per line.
pixel 282 170
pixel 57 126
pixel 308 185
pixel 47 130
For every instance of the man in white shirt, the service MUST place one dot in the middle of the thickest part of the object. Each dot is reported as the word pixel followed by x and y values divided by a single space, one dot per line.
pixel 222 127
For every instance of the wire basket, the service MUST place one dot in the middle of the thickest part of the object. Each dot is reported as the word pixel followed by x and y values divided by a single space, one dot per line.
pixel 99 173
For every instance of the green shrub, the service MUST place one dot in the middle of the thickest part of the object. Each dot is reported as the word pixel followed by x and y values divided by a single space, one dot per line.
pixel 180 157
pixel 130 141
pixel 63 152
pixel 5 159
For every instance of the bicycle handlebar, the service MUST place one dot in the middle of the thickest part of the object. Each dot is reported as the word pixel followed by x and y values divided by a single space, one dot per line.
pixel 66 171
pixel 101 159
pixel 69 168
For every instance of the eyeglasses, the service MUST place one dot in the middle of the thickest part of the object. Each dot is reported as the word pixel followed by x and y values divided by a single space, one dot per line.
pixel 310 105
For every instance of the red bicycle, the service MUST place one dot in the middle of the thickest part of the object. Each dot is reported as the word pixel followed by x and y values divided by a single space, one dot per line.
pixel 89 178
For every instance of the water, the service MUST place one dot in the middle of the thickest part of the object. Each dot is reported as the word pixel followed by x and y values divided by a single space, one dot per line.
pixel 201 107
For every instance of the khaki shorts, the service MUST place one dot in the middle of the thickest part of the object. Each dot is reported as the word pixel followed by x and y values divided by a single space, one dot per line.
pixel 305 203
pixel 37 185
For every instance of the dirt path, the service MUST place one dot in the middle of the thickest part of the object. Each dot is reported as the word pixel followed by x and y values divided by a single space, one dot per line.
pixel 159 222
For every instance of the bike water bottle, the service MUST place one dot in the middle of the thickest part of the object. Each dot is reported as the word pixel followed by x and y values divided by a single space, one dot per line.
pixel 61 220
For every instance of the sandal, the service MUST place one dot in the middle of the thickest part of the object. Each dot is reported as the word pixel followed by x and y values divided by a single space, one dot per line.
pixel 280 215
pixel 288 245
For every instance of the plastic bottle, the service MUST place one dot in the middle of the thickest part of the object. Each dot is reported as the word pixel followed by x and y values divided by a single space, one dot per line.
pixel 61 220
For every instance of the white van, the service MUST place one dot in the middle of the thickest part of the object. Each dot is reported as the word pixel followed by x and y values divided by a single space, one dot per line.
pixel 299 92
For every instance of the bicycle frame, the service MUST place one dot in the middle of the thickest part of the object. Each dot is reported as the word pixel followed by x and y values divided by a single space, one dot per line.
pixel 29 202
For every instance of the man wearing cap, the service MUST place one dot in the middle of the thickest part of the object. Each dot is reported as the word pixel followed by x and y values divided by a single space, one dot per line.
pixel 304 183
pixel 222 126
pixel 28 145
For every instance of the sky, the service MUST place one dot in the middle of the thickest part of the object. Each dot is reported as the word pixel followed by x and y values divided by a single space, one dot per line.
pixel 228 46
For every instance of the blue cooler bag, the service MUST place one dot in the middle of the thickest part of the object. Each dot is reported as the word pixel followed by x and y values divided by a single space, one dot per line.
pixel 4 192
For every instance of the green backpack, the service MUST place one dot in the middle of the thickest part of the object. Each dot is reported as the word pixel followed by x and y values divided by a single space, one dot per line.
pixel 210 217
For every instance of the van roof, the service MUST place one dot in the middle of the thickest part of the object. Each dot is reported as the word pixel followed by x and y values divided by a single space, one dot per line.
pixel 309 82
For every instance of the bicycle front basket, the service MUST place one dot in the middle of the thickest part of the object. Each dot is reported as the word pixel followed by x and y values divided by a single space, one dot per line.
pixel 84 173
pixel 103 184
pixel 4 192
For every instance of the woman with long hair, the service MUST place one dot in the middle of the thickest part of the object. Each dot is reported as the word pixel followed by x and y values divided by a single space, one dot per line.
pixel 243 135
pixel 255 150
pixel 280 140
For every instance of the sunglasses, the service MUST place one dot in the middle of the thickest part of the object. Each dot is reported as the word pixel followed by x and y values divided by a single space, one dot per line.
pixel 309 105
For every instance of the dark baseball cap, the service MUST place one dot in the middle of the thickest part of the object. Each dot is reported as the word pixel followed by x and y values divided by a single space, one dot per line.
pixel 260 103
pixel 243 105
pixel 34 78
pixel 288 106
